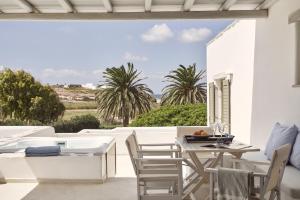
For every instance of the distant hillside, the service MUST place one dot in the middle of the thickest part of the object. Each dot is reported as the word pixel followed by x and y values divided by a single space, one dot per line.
pixel 75 94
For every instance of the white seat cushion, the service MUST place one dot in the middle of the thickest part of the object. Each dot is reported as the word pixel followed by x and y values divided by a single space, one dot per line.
pixel 291 179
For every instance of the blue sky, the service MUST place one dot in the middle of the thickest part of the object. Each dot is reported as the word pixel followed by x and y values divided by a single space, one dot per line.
pixel 78 52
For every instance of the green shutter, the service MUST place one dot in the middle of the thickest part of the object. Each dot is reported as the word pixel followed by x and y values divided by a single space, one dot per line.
pixel 211 103
pixel 226 104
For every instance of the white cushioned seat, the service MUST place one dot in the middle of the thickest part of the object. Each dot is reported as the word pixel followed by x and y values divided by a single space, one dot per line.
pixel 290 184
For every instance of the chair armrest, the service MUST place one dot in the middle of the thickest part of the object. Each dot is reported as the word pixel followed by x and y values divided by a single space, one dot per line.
pixel 157 145
pixel 260 174
pixel 214 170
pixel 158 151
pixel 244 161
pixel 211 170
pixel 159 160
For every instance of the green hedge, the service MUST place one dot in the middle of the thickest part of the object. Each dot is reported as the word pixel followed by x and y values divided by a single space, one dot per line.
pixel 73 125
pixel 76 124
pixel 18 122
pixel 178 115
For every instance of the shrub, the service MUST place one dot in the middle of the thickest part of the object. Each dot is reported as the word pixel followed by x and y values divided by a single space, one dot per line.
pixel 63 126
pixel 178 115
pixel 18 122
pixel 76 124
pixel 13 122
pixel 85 122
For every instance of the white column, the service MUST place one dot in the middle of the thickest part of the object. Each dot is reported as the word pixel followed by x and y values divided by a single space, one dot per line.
pixel 297 61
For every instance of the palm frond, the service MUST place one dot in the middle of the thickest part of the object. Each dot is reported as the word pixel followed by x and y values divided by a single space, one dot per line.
pixel 185 86
pixel 122 94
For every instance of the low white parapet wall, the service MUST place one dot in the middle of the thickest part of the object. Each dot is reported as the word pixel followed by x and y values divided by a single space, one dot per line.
pixel 144 134
pixel 23 131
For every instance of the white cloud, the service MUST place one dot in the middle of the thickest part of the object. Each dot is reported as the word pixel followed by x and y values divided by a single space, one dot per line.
pixel 89 86
pixel 158 33
pixel 98 71
pixel 130 57
pixel 194 35
pixel 61 73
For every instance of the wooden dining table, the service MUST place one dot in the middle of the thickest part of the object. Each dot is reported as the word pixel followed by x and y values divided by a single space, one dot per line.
pixel 194 150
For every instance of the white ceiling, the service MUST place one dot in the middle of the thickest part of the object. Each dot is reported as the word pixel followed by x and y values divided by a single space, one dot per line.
pixel 36 8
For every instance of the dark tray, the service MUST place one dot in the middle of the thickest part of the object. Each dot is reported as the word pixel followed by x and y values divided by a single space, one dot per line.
pixel 209 139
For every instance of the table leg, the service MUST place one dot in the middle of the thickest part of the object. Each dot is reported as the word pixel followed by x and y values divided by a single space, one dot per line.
pixel 200 170
pixel 236 154
pixel 197 163
pixel 212 187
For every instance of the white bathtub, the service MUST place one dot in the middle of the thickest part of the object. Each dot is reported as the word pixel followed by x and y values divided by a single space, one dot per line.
pixel 83 159
pixel 94 145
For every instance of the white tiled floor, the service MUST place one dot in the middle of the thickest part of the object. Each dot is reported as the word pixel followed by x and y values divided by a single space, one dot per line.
pixel 113 189
pixel 124 166
pixel 122 187
pixel 119 188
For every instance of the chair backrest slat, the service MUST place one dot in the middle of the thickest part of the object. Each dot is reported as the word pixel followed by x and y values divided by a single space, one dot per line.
pixel 132 147
pixel 162 173
pixel 275 173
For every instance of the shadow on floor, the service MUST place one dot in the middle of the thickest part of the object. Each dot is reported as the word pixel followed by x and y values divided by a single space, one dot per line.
pixel 112 189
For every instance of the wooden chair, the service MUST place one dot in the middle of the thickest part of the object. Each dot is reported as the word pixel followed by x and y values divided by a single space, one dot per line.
pixel 268 182
pixel 136 150
pixel 157 178
pixel 159 183
pixel 160 171
pixel 161 149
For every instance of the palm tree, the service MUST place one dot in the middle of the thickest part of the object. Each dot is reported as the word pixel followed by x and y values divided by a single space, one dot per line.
pixel 185 86
pixel 122 95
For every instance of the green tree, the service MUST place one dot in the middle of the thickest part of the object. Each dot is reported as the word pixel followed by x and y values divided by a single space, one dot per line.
pixel 173 115
pixel 122 94
pixel 46 102
pixel 185 86
pixel 23 98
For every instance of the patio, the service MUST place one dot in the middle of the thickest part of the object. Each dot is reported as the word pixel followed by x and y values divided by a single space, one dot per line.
pixel 113 189
pixel 122 186
pixel 256 104
pixel 125 187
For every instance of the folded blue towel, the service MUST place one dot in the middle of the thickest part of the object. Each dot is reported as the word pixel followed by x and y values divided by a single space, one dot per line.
pixel 42 151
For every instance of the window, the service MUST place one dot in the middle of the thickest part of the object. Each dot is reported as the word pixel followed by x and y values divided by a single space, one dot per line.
pixel 219 101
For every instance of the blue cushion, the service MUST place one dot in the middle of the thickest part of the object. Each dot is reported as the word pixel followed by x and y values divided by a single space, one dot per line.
pixel 42 151
pixel 280 135
pixel 295 156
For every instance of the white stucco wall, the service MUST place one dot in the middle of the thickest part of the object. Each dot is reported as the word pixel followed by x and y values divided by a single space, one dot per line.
pixel 233 52
pixel 274 98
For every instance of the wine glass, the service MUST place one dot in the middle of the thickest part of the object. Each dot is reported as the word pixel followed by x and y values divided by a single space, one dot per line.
pixel 215 128
pixel 222 129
